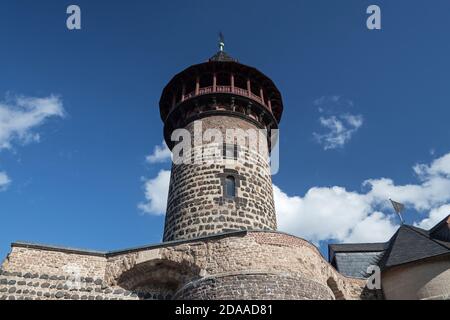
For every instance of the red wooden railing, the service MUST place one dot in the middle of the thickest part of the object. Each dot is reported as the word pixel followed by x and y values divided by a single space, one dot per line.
pixel 225 89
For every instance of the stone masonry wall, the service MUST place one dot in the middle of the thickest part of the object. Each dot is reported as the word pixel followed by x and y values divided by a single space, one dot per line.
pixel 249 253
pixel 255 286
pixel 54 261
pixel 47 273
pixel 196 203
pixel 238 265
pixel 43 286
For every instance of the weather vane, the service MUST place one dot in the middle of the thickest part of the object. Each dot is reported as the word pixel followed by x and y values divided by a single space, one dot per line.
pixel 221 41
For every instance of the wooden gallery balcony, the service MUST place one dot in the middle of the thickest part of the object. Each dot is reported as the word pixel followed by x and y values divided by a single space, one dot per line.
pixel 199 90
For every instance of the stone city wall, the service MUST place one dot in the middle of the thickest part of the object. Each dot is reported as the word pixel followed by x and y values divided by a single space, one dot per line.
pixel 54 261
pixel 34 272
pixel 273 253
pixel 238 265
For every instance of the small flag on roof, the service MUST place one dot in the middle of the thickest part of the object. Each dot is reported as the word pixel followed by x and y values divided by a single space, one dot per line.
pixel 398 207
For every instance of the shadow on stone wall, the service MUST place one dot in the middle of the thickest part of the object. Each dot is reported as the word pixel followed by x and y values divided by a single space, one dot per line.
pixel 337 293
pixel 158 278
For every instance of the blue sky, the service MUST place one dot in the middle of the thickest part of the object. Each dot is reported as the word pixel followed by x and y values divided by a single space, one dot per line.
pixel 359 105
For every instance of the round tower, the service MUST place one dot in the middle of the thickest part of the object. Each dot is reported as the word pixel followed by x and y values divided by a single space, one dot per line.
pixel 224 181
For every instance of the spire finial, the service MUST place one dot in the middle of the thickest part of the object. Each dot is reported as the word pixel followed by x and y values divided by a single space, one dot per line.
pixel 221 42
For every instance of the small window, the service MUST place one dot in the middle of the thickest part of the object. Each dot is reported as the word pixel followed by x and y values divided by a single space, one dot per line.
pixel 230 151
pixel 230 187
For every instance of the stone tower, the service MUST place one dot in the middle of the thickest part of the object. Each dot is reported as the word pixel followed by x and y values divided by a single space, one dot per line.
pixel 207 201
pixel 233 189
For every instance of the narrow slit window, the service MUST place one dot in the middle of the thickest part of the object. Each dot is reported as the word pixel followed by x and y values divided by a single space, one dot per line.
pixel 230 151
pixel 230 187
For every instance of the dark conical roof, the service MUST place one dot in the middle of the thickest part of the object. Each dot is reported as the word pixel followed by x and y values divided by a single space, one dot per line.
pixel 222 56
pixel 441 231
pixel 411 244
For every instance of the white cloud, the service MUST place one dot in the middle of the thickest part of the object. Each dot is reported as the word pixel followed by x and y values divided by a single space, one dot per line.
pixel 436 215
pixel 338 124
pixel 4 181
pixel 376 227
pixel 156 191
pixel 331 213
pixel 439 167
pixel 338 130
pixel 327 100
pixel 354 121
pixel 334 213
pixel 430 193
pixel 21 115
pixel 160 154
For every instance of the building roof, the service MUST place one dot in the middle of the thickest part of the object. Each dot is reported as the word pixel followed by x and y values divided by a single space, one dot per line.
pixel 223 57
pixel 352 259
pixel 411 244
pixel 441 231
pixel 356 247
pixel 355 264
pixel 407 245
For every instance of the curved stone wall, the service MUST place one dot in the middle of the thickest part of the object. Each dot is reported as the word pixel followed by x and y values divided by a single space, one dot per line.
pixel 426 279
pixel 196 203
pixel 254 286
pixel 221 259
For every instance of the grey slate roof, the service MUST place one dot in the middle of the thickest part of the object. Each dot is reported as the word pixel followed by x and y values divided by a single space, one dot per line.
pixel 352 259
pixel 411 244
pixel 356 247
pixel 355 264
pixel 441 231
pixel 408 244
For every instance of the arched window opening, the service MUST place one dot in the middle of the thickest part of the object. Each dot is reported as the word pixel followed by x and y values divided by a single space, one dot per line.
pixel 230 151
pixel 230 187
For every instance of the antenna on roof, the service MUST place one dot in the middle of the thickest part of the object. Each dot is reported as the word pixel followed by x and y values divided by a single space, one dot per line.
pixel 221 42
